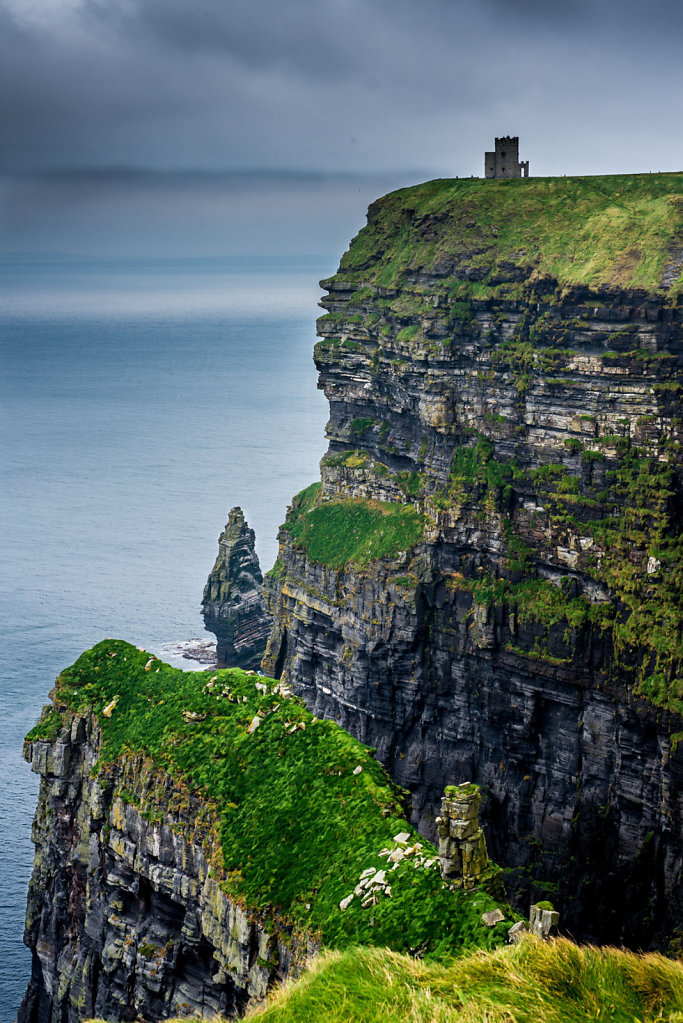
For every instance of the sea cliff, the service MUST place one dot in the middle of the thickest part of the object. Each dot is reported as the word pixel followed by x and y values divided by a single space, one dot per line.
pixel 199 835
pixel 487 582
pixel 484 587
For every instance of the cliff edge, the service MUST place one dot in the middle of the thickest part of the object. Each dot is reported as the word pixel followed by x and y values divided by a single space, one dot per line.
pixel 487 582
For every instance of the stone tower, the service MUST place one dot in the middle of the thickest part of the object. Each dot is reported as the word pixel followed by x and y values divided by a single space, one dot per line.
pixel 505 162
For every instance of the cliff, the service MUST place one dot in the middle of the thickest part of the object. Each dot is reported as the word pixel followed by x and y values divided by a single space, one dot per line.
pixel 199 835
pixel 233 605
pixel 487 583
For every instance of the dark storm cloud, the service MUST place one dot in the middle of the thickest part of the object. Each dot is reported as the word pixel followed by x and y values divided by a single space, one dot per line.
pixel 355 87
pixel 341 84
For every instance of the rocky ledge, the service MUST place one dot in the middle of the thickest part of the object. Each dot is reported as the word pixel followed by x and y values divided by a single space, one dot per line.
pixel 200 834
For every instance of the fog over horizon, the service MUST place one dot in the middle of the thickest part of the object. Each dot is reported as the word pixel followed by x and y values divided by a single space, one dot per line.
pixel 164 127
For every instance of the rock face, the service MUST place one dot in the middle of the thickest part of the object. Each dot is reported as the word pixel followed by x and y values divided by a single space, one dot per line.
pixel 126 918
pixel 233 605
pixel 530 641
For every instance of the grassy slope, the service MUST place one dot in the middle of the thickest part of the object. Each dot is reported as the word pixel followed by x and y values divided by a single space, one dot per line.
pixel 534 982
pixel 602 230
pixel 297 826
pixel 336 533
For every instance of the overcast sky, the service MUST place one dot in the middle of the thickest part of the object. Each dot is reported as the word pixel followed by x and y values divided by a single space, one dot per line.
pixel 131 123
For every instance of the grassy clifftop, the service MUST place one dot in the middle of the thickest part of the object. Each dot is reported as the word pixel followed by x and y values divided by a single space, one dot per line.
pixel 301 808
pixel 622 230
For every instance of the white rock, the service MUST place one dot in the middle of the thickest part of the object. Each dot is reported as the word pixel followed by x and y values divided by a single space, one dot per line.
pixel 345 903
pixel 367 873
pixel 491 919
pixel 396 856
pixel 379 877
pixel 402 836
pixel 255 722
pixel 357 770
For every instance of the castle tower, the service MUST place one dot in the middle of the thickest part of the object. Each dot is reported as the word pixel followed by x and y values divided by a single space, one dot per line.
pixel 504 162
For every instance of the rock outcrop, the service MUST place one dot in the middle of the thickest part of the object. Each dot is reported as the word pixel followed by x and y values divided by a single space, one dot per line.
pixel 126 916
pixel 462 846
pixel 505 374
pixel 233 605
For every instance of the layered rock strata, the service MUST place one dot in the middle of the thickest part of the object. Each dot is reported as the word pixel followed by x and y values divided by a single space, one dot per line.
pixel 126 917
pixel 531 640
pixel 233 605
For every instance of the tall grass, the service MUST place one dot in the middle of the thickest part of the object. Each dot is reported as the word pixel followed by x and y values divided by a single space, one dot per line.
pixel 534 982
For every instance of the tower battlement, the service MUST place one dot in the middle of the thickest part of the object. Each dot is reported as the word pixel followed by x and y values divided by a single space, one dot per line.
pixel 504 161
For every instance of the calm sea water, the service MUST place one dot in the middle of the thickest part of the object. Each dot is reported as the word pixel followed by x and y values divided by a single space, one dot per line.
pixel 138 404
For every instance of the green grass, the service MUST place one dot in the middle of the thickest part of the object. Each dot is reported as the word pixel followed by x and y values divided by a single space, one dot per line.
pixel 296 825
pixel 533 982
pixel 614 230
pixel 48 727
pixel 354 531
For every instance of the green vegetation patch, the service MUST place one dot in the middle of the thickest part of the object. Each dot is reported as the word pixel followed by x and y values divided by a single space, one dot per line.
pixel 533 982
pixel 48 727
pixel 607 230
pixel 302 808
pixel 358 531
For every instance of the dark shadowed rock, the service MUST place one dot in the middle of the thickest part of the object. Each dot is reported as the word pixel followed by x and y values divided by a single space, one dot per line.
pixel 233 605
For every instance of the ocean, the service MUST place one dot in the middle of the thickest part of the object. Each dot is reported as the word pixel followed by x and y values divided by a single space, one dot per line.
pixel 139 401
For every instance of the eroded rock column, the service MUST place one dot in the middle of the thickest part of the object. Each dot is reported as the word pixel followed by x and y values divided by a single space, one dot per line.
pixel 233 605
pixel 462 846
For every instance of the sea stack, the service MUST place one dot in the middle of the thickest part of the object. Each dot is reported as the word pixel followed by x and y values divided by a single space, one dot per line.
pixel 232 605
